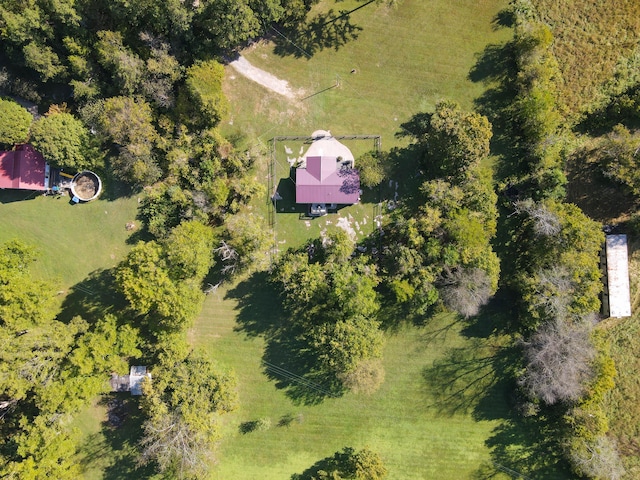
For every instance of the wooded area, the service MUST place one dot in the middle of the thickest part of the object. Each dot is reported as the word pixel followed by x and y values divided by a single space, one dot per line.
pixel 134 91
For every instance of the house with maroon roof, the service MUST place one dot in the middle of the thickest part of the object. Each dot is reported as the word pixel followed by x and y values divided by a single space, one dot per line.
pixel 24 168
pixel 326 177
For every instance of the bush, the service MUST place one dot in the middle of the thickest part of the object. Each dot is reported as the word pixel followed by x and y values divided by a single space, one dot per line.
pixel 597 459
pixel 365 378
pixel 14 123
pixel 371 168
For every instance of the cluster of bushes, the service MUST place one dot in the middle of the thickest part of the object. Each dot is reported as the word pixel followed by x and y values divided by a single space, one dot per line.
pixel 438 244
pixel 535 116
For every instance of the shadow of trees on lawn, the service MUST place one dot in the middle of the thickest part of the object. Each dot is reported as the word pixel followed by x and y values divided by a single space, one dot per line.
pixel 113 450
pixel 325 30
pixel 478 378
pixel 93 298
pixel 287 359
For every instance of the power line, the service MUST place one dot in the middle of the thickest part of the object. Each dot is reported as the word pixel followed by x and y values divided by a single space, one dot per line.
pixel 288 375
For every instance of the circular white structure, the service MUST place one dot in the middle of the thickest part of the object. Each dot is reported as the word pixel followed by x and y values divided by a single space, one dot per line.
pixel 86 186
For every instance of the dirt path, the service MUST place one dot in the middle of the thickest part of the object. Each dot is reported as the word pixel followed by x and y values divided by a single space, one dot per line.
pixel 267 80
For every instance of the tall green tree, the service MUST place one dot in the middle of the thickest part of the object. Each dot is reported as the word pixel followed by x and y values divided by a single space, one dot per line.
pixel 128 123
pixel 189 249
pixel 63 140
pixel 184 403
pixel 15 122
pixel 451 140
pixel 332 302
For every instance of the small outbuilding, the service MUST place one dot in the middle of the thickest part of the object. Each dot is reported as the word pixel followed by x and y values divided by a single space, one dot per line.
pixel 130 383
pixel 616 296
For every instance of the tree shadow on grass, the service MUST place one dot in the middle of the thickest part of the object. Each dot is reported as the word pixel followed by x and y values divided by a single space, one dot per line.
pixel 288 361
pixel 113 450
pixel 526 447
pixel 469 379
pixel 287 358
pixel 621 109
pixel 92 298
pixel 599 197
pixel 496 69
pixel 122 441
pixel 479 379
pixel 325 30
pixel 259 307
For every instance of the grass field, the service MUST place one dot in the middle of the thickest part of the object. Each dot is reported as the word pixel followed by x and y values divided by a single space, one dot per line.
pixel 591 41
pixel 72 240
pixel 622 404
pixel 442 411
pixel 405 60
pixel 418 425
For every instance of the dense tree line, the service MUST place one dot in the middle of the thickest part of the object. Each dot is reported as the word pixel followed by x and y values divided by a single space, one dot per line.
pixel 535 119
pixel 555 251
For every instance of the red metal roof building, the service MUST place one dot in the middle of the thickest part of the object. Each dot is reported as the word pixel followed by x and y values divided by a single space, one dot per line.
pixel 24 168
pixel 325 180
pixel 327 175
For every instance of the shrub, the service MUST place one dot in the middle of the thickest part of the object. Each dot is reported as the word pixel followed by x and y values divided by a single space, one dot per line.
pixel 365 378
pixel 14 123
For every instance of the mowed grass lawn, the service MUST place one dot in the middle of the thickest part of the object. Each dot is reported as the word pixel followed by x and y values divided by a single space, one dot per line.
pixel 71 240
pixel 404 60
pixel 409 422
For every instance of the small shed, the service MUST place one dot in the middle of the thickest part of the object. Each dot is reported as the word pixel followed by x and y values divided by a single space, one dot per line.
pixel 130 383
pixel 616 297
pixel 136 376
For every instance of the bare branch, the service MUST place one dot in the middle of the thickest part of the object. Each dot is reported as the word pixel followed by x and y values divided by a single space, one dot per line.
pixel 559 362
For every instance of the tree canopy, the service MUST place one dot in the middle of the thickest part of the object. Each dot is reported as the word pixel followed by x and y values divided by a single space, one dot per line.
pixel 442 238
pixel 183 405
pixel 63 140
pixel 332 300
pixel 15 122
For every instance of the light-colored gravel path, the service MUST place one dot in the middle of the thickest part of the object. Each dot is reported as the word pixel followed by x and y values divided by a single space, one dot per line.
pixel 267 80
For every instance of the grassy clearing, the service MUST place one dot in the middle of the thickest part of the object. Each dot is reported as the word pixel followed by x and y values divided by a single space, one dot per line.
pixel 72 240
pixel 419 430
pixel 443 411
pixel 590 39
pixel 405 60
